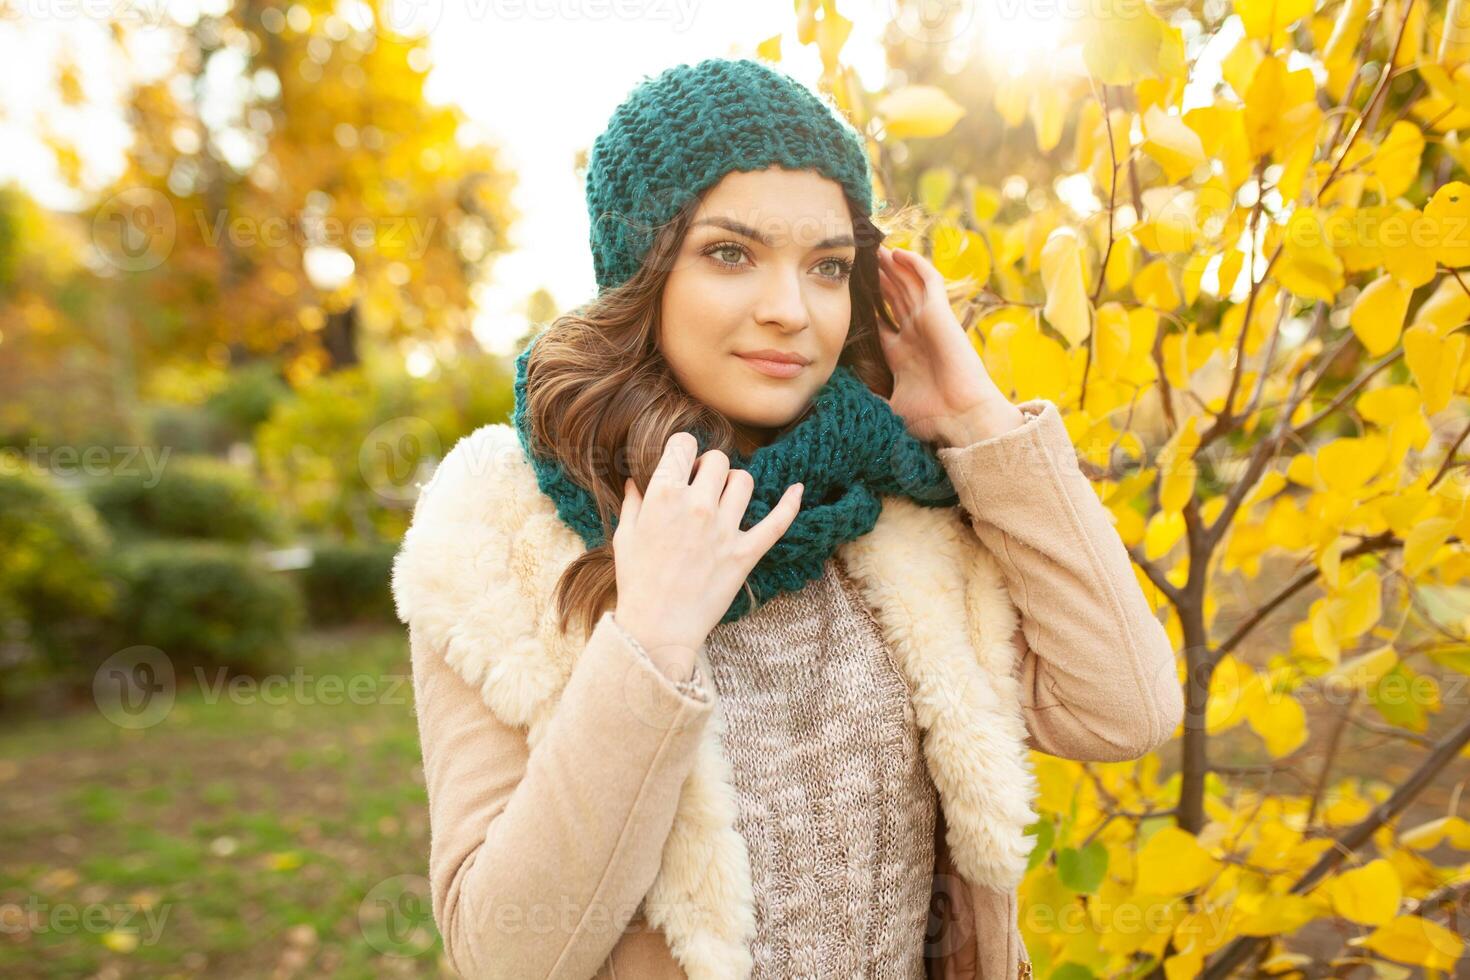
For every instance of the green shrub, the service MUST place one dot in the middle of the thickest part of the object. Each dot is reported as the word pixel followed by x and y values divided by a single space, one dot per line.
pixel 207 603
pixel 54 588
pixel 194 497
pixel 247 399
pixel 183 429
pixel 348 582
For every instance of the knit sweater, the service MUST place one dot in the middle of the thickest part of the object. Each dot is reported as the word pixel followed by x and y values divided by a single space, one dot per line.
pixel 835 804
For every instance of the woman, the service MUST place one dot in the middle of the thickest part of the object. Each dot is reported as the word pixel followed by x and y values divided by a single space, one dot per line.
pixel 729 652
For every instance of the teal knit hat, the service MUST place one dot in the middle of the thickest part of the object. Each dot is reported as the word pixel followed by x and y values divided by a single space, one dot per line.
pixel 677 134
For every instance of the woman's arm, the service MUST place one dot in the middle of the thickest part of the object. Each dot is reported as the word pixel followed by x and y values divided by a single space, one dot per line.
pixel 1097 669
pixel 539 858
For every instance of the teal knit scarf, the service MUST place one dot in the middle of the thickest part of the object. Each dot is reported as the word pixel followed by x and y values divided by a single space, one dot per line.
pixel 848 450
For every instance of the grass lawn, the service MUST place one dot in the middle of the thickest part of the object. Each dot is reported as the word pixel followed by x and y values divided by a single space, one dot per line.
pixel 280 832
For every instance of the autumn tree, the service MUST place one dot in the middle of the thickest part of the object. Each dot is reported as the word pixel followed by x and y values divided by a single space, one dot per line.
pixel 291 191
pixel 1228 240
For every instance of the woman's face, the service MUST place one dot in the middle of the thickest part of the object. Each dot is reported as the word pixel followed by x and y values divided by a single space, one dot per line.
pixel 763 267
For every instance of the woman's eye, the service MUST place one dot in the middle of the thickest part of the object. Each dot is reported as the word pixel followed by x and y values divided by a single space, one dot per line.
pixel 838 268
pixel 727 250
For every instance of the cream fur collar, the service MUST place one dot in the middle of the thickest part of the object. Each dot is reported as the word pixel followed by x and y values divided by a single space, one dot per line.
pixel 475 576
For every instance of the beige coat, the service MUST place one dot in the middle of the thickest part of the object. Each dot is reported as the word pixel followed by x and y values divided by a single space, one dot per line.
pixel 582 814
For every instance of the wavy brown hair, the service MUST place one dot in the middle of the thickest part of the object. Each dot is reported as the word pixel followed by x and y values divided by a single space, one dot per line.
pixel 602 401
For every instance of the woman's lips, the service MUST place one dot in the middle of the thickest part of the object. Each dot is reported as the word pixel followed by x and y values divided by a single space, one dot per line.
pixel 774 369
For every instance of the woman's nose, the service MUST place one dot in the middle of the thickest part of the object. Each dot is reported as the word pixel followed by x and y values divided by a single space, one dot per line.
pixel 782 303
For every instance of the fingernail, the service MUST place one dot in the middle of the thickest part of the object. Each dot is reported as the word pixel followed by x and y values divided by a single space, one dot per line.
pixel 800 488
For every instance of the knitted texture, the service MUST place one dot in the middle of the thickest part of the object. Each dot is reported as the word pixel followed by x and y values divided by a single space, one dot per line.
pixel 835 804
pixel 679 133
pixel 848 450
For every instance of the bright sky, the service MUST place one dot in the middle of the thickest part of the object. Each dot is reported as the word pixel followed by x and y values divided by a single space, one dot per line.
pixel 544 87
pixel 537 77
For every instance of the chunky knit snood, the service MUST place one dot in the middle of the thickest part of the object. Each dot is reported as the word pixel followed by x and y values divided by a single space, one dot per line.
pixel 849 450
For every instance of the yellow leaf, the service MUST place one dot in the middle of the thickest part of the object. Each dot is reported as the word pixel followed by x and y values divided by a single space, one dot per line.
pixel 1416 941
pixel 832 33
pixel 1360 606
pixel 1342 44
pixel 1347 464
pixel 1280 722
pixel 1235 692
pixel 1378 314
pixel 1278 105
pixel 1164 530
pixel 1153 286
pixel 961 253
pixel 1239 66
pixel 1268 19
pixel 1172 862
pixel 1278 915
pixel 1369 895
pixel 1433 362
pixel 1177 485
pixel 1448 212
pixel 1049 113
pixel 1038 364
pixel 1454 43
pixel 1360 673
pixel 1406 239
pixel 1308 266
pixel 1455 830
pixel 1446 308
pixel 1120 264
pixel 1124 45
pixel 985 202
pixel 770 48
pixel 1423 541
pixel 1174 145
pixel 1184 966
pixel 919 111
pixel 120 942
pixel 1396 164
pixel 1067 306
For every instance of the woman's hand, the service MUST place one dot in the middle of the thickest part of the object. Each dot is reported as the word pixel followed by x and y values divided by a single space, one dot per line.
pixel 941 388
pixel 679 553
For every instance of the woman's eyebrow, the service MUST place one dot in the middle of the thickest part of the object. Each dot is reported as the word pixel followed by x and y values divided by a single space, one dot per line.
pixel 740 228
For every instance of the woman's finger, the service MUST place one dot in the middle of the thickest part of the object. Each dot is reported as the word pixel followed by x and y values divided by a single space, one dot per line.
pixel 632 503
pixel 768 530
pixel 925 270
pixel 906 268
pixel 739 487
pixel 894 291
pixel 677 461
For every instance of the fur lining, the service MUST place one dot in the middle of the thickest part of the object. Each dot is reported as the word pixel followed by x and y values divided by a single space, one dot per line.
pixel 475 576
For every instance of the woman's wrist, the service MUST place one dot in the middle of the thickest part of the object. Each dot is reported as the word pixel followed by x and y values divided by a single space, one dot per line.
pixel 986 419
pixel 675 658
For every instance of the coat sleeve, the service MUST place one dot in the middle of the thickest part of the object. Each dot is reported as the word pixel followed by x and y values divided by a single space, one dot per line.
pixel 539 858
pixel 1097 669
